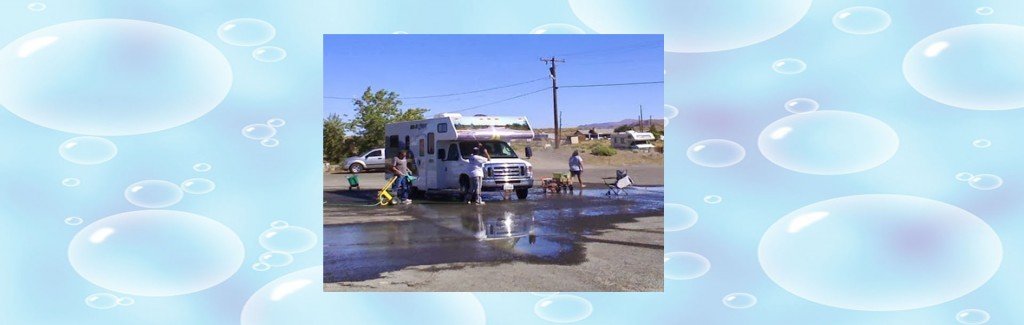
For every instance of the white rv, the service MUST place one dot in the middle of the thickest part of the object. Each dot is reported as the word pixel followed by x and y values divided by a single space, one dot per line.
pixel 632 140
pixel 440 147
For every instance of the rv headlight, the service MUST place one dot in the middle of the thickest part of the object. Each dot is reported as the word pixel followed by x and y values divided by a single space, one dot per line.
pixel 529 170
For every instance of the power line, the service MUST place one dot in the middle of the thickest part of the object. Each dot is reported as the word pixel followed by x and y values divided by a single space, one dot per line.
pixel 480 90
pixel 455 94
pixel 615 84
pixel 503 100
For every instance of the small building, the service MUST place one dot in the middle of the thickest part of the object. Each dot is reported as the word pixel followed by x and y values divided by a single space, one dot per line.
pixel 576 137
pixel 632 140
pixel 596 133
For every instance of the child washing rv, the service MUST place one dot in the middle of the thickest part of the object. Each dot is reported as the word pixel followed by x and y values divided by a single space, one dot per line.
pixel 399 166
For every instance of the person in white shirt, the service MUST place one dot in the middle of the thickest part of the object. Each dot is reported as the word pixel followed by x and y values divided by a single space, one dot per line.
pixel 476 163
pixel 576 167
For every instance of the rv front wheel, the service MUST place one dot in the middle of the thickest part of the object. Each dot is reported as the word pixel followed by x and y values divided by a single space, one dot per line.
pixel 521 193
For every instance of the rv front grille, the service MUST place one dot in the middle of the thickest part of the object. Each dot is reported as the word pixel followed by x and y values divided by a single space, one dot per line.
pixel 506 170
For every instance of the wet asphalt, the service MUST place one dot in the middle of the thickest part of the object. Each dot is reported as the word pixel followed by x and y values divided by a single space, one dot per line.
pixel 363 242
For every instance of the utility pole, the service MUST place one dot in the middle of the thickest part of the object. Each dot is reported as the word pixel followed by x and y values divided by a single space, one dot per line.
pixel 640 119
pixel 554 95
pixel 560 120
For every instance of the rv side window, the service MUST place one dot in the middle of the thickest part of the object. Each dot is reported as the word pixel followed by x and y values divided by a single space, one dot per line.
pixel 442 127
pixel 393 141
pixel 453 152
pixel 421 147
pixel 430 143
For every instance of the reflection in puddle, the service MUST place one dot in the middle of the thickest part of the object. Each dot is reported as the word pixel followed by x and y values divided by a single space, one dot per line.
pixel 546 230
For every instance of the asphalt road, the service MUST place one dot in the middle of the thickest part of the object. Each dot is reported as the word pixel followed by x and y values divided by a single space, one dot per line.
pixel 554 242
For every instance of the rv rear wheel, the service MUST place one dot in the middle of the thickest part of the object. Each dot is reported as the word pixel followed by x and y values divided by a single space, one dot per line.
pixel 464 188
pixel 521 193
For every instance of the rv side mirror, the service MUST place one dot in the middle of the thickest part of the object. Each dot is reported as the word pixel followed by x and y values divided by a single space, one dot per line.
pixel 529 152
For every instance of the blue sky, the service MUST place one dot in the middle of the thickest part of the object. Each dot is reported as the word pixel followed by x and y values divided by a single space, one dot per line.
pixel 427 65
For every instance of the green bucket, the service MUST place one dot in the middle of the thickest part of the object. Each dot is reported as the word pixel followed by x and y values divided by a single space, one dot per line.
pixel 353 180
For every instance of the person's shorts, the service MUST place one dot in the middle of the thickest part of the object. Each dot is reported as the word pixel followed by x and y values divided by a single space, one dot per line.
pixel 573 173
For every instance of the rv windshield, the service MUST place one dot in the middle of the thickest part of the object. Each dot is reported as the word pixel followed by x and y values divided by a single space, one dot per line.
pixel 497 149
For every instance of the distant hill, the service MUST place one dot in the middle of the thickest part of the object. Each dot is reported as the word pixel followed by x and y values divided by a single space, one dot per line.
pixel 612 125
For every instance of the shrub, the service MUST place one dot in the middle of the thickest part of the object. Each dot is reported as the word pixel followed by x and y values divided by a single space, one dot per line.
pixel 603 150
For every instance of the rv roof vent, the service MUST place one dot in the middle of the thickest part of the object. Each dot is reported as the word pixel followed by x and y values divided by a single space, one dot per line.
pixel 455 115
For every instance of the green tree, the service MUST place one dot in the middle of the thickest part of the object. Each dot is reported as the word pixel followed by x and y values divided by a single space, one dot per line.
pixel 623 128
pixel 373 111
pixel 335 149
pixel 654 130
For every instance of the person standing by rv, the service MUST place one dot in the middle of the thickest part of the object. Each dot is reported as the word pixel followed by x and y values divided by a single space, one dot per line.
pixel 576 167
pixel 476 163
pixel 399 166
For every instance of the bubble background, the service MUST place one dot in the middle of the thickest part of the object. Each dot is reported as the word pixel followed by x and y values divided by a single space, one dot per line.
pixel 730 94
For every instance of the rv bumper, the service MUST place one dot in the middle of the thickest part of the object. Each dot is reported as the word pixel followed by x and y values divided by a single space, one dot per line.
pixel 497 183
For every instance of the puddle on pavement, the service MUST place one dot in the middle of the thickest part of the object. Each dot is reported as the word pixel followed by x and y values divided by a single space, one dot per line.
pixel 547 229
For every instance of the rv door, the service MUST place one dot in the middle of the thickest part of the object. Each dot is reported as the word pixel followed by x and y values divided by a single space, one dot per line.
pixel 453 167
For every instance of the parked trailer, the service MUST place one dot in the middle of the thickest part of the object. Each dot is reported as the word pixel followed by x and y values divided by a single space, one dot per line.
pixel 632 140
pixel 440 148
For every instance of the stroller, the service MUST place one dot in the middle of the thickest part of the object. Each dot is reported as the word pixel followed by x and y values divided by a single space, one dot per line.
pixel 619 183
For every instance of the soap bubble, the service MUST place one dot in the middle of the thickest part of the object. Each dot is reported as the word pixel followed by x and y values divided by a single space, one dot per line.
pixel 861 20
pixel 197 186
pixel 202 167
pixel 289 239
pixel 690 28
pixel 110 77
pixel 985 181
pixel 269 54
pixel 260 267
pixel 679 217
pixel 276 258
pixel 984 11
pixel 279 224
pixel 671 111
pixel 258 131
pixel 156 253
pixel 153 194
pixel 87 150
pixel 739 300
pixel 716 153
pixel 36 6
pixel 126 301
pixel 789 66
pixel 269 142
pixel 73 221
pixel 557 29
pixel 801 105
pixel 712 199
pixel 972 316
pixel 828 142
pixel 880 252
pixel 972 67
pixel 981 143
pixel 275 122
pixel 563 309
pixel 963 176
pixel 246 32
pixel 101 301
pixel 299 298
pixel 685 265
pixel 71 182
